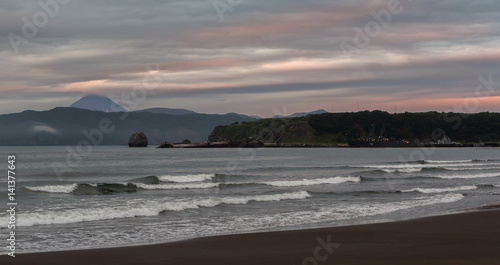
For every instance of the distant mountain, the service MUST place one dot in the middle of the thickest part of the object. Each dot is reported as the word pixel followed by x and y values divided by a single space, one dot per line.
pixel 243 116
pixel 167 111
pixel 185 111
pixel 97 103
pixel 302 114
pixel 67 126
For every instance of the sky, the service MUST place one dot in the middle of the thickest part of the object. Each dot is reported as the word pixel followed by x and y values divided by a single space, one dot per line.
pixel 255 57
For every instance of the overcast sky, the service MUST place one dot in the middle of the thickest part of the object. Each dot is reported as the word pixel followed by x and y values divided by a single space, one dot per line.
pixel 262 57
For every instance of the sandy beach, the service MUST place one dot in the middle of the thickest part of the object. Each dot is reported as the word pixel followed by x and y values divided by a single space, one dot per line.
pixel 463 238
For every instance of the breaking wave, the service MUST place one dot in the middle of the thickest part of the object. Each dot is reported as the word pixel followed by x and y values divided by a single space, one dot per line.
pixel 415 169
pixel 112 188
pixel 177 186
pixel 148 208
pixel 86 188
pixel 384 208
pixel 417 166
pixel 153 183
pixel 55 188
pixel 469 168
pixel 351 211
pixel 450 161
pixel 310 182
pixel 186 178
pixel 467 176
pixel 402 170
pixel 440 190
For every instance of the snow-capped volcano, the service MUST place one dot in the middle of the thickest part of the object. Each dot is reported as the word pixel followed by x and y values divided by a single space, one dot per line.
pixel 97 103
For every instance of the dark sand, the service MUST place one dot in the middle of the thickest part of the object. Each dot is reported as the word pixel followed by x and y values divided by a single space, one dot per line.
pixel 465 238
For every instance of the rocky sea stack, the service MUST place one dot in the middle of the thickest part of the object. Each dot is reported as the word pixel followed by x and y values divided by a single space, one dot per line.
pixel 138 140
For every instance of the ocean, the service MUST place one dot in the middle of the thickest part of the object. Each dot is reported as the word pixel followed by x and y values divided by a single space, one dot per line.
pixel 119 196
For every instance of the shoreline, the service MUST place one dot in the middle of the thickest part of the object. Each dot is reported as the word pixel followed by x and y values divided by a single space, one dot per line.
pixel 311 145
pixel 488 206
pixel 469 237
pixel 197 146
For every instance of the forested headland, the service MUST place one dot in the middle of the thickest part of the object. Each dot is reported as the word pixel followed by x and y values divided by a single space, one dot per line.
pixel 337 128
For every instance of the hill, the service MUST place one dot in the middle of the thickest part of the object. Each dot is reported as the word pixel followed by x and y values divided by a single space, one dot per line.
pixel 65 126
pixel 301 114
pixel 167 111
pixel 186 111
pixel 335 128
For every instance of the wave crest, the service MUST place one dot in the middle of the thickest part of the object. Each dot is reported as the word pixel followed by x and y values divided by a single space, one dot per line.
pixel 177 186
pixel 440 190
pixel 186 178
pixel 468 176
pixel 451 161
pixel 311 182
pixel 54 188
pixel 149 208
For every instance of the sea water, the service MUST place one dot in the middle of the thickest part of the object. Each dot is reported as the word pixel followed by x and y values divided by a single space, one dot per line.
pixel 119 196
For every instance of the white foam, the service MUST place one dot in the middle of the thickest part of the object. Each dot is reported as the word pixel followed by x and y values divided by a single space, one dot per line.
pixel 186 178
pixel 177 186
pixel 310 182
pixel 468 176
pixel 448 161
pixel 341 211
pixel 54 188
pixel 469 168
pixel 384 208
pixel 440 190
pixel 215 225
pixel 403 170
pixel 415 166
pixel 148 208
pixel 410 170
pixel 279 197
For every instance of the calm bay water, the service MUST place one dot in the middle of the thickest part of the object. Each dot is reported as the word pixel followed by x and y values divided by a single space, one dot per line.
pixel 119 196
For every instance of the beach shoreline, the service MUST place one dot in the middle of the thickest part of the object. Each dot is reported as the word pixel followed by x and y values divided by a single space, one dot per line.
pixel 458 238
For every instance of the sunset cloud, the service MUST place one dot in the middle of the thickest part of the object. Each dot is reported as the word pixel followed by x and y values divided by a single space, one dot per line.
pixel 263 55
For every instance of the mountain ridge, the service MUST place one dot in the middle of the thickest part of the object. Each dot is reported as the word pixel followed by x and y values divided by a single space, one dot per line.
pixel 171 111
pixel 66 126
pixel 105 104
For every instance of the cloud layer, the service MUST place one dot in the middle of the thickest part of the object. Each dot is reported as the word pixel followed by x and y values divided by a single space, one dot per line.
pixel 252 56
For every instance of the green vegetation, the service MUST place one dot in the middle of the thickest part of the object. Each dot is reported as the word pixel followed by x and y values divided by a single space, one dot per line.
pixel 336 128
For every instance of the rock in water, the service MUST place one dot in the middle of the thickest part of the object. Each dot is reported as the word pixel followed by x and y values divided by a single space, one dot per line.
pixel 138 140
pixel 165 145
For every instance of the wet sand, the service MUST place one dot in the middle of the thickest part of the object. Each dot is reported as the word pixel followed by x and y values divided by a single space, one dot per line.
pixel 464 238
